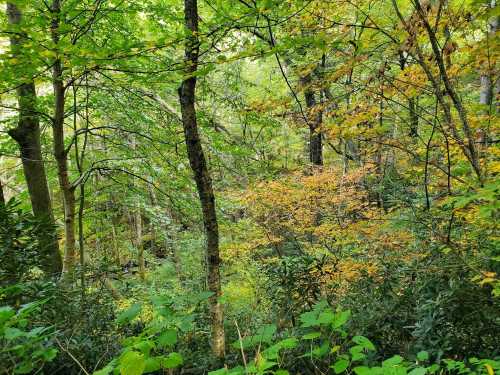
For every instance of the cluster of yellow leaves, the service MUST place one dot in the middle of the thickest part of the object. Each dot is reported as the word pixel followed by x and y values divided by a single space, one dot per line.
pixel 326 212
pixel 268 105
pixel 360 120
pixel 412 80
pixel 300 204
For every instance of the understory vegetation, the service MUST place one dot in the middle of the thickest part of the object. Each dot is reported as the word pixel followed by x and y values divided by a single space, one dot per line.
pixel 249 187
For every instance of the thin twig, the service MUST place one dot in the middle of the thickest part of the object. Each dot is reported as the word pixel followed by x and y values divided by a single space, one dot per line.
pixel 72 357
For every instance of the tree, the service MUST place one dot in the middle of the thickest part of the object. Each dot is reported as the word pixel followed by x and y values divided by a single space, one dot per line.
pixel 27 135
pixel 198 163
pixel 60 150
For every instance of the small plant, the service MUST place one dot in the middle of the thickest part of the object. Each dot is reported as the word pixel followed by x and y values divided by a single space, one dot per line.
pixel 25 347
pixel 329 347
pixel 153 348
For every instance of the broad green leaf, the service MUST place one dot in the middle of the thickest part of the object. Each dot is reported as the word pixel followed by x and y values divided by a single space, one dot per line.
pixel 132 363
pixel 393 361
pixel 152 364
pixel 6 312
pixel 129 314
pixel 340 366
pixel 418 371
pixel 25 367
pixel 341 318
pixel 167 338
pixel 422 356
pixel 11 333
pixel 364 342
pixel 362 370
pixel 106 370
pixel 173 360
pixel 311 336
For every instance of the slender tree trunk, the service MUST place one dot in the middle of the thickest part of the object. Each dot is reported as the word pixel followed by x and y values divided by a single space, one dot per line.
pixel 60 152
pixel 412 108
pixel 486 91
pixel 315 120
pixel 139 244
pixel 116 251
pixel 2 196
pixel 201 175
pixel 27 135
pixel 467 145
pixel 471 149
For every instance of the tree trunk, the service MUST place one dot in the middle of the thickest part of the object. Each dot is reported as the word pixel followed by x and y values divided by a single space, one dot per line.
pixel 467 145
pixel 486 91
pixel 201 175
pixel 2 196
pixel 412 108
pixel 60 152
pixel 314 122
pixel 139 244
pixel 27 135
pixel 116 250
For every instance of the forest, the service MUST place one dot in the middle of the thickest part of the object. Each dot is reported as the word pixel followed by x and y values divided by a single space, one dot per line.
pixel 287 187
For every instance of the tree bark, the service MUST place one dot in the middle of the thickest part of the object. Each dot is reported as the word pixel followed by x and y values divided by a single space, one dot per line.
pixel 197 161
pixel 2 196
pixel 471 148
pixel 467 145
pixel 27 135
pixel 486 90
pixel 315 120
pixel 139 244
pixel 60 152
pixel 412 108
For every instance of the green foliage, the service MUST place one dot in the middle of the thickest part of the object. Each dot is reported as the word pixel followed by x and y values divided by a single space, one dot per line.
pixel 25 346
pixel 20 248
pixel 153 347
pixel 325 327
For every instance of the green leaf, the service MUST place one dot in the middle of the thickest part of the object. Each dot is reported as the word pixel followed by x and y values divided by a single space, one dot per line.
pixel 173 360
pixel 364 342
pixel 418 371
pixel 326 317
pixel 422 356
pixel 129 314
pixel 132 363
pixel 6 312
pixel 144 346
pixel 167 338
pixel 321 351
pixel 202 296
pixel 341 318
pixel 106 370
pixel 393 361
pixel 357 353
pixel 340 366
pixel 362 370
pixel 263 335
pixel 12 333
pixel 221 371
pixel 273 351
pixel 311 336
pixel 152 364
pixel 281 372
pixel 25 367
pixel 49 354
